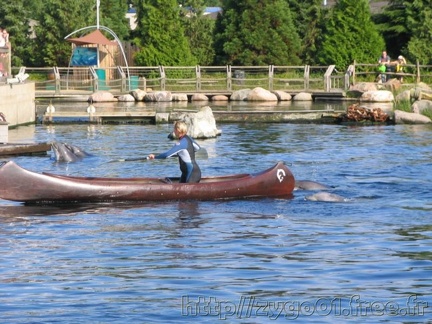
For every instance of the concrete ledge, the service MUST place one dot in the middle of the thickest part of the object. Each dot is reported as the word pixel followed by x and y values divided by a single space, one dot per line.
pixel 17 103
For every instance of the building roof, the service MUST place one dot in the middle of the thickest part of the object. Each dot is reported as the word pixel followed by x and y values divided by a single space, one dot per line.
pixel 95 37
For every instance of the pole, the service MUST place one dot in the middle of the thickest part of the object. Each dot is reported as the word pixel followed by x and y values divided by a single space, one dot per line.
pixel 97 13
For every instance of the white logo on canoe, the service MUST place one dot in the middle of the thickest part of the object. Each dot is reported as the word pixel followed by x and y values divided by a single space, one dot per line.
pixel 280 174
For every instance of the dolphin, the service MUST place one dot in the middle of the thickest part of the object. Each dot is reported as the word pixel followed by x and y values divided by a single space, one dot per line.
pixel 309 185
pixel 76 150
pixel 326 197
pixel 67 153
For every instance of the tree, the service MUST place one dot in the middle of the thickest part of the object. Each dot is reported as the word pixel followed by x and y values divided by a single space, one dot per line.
pixel 14 17
pixel 392 24
pixel 112 15
pixel 199 31
pixel 256 32
pixel 60 18
pixel 308 19
pixel 160 35
pixel 419 22
pixel 350 35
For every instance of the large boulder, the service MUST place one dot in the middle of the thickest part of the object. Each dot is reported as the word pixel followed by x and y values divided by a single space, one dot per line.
pixel 102 96
pixel 201 124
pixel 303 96
pixel 179 97
pixel 199 97
pixel 364 86
pixel 158 96
pixel 240 95
pixel 403 96
pixel 403 117
pixel 138 94
pixel 377 96
pixel 282 95
pixel 421 105
pixel 126 98
pixel 261 94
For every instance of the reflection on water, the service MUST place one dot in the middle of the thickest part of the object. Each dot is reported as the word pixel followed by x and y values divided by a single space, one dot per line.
pixel 169 262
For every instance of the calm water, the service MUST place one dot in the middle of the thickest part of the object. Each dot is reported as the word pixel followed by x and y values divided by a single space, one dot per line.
pixel 367 260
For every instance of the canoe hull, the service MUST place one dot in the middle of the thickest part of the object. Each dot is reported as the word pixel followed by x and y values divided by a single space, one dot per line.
pixel 19 184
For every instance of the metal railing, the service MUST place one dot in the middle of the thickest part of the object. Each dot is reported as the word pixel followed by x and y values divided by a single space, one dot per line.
pixel 210 79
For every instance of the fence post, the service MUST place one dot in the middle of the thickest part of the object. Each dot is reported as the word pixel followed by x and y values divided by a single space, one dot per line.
pixel 163 77
pixel 306 77
pixel 198 77
pixel 123 79
pixel 327 80
pixel 229 78
pixel 95 79
pixel 57 80
pixel 418 71
pixel 271 74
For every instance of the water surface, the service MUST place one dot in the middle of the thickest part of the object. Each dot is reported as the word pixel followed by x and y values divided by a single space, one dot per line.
pixel 366 260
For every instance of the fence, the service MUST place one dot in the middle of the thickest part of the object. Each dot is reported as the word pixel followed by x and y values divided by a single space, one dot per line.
pixel 210 79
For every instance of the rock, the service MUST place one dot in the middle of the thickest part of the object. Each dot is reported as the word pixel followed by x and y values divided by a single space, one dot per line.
pixel 201 124
pixel 364 86
pixel 303 96
pixel 403 117
pixel 138 94
pixel 261 94
pixel 282 95
pixel 421 105
pixel 179 97
pixel 377 96
pixel 219 98
pixel 199 97
pixel 240 95
pixel 423 86
pixel 393 85
pixel 102 96
pixel 403 96
pixel 158 96
pixel 126 98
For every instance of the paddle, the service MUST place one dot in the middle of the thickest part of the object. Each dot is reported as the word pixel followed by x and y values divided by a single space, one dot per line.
pixel 200 154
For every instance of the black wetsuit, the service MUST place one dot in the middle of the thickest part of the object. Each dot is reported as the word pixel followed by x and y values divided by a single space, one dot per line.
pixel 185 150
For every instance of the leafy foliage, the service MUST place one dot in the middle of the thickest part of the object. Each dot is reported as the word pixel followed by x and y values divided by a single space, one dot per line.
pixel 254 32
pixel 58 20
pixel 199 31
pixel 350 35
pixel 308 16
pixel 419 22
pixel 161 35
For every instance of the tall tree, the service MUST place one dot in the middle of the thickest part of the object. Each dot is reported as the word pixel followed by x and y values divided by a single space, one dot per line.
pixel 350 35
pixel 419 22
pixel 392 24
pixel 160 35
pixel 199 31
pixel 60 18
pixel 308 18
pixel 14 16
pixel 112 15
pixel 256 32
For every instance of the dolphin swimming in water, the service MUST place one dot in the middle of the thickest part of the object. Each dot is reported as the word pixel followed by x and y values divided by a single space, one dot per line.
pixel 309 185
pixel 326 197
pixel 67 153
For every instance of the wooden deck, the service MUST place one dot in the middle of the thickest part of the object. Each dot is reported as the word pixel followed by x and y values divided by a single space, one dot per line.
pixel 11 149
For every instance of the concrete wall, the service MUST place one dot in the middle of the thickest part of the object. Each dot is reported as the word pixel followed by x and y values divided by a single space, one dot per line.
pixel 17 103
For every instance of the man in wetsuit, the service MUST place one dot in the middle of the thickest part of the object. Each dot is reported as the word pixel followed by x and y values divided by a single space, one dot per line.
pixel 185 150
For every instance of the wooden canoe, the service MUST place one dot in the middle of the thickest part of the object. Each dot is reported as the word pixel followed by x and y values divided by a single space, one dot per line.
pixel 19 184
